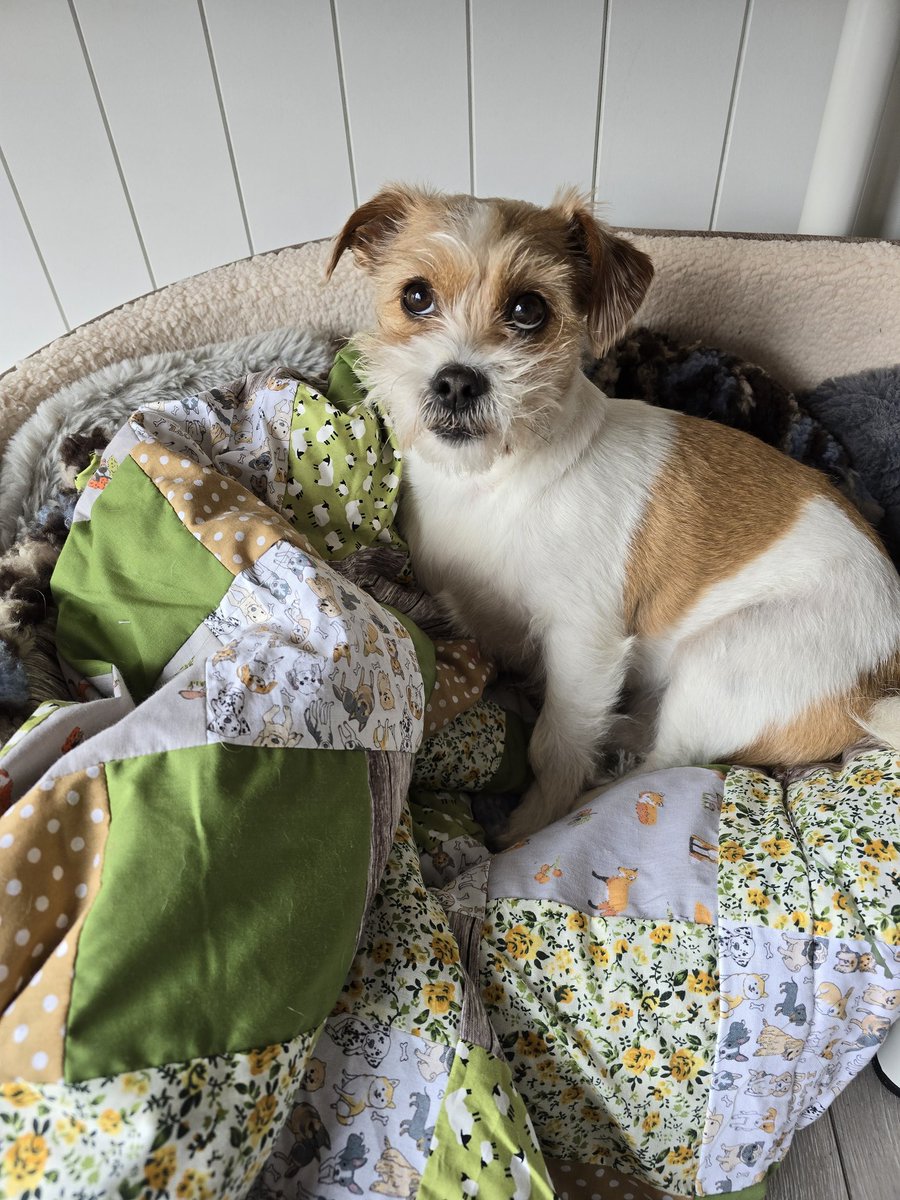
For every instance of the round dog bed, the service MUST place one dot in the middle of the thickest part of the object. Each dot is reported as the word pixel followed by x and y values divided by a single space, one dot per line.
pixel 263 902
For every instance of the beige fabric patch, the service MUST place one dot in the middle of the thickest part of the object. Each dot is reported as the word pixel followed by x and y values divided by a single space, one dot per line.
pixel 51 851
pixel 224 515
pixel 461 675
pixel 589 1181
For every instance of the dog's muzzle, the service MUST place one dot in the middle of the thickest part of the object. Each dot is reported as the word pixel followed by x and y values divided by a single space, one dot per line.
pixel 454 403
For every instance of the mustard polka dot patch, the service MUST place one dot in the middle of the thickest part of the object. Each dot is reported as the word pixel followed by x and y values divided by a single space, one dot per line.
pixel 223 514
pixel 461 675
pixel 51 850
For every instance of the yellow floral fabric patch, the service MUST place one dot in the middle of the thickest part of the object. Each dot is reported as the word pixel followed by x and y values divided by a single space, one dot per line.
pixel 819 858
pixel 196 1130
pixel 610 1029
pixel 407 972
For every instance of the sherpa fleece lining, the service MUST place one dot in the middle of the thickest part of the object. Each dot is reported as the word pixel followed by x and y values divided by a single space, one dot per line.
pixel 802 308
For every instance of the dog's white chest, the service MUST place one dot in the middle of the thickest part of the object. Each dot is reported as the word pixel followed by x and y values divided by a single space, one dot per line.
pixel 541 544
pixel 473 552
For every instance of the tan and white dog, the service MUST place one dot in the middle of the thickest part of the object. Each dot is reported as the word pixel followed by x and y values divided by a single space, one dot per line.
pixel 608 542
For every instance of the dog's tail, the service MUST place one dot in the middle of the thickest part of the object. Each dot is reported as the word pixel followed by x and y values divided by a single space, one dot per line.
pixel 882 722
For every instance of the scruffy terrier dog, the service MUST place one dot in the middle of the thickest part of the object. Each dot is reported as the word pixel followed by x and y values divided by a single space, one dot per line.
pixel 607 543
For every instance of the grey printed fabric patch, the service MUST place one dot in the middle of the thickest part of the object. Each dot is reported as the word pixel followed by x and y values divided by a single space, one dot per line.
pixel 309 659
pixel 799 1018
pixel 364 1119
pixel 605 858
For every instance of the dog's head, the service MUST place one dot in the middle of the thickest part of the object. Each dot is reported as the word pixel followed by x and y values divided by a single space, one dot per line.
pixel 483 307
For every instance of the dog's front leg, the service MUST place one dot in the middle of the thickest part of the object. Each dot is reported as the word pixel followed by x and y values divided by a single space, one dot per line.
pixel 582 685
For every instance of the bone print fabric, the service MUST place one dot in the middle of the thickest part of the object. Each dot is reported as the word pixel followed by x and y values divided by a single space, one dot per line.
pixel 253 940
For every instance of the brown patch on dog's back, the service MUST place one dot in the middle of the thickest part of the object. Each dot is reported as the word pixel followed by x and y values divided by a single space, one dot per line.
pixel 688 540
pixel 825 729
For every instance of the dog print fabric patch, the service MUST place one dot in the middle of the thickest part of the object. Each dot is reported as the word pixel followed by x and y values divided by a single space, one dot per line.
pixel 357 1123
pixel 799 1019
pixel 308 659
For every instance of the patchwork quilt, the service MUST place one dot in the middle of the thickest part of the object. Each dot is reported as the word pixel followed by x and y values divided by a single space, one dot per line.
pixel 253 942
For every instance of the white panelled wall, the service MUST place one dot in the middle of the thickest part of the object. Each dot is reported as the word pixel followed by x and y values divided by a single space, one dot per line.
pixel 142 141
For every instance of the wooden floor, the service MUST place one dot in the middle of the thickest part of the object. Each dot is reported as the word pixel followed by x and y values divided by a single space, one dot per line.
pixel 852 1153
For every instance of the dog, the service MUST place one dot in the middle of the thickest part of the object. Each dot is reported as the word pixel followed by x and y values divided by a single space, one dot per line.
pixel 607 545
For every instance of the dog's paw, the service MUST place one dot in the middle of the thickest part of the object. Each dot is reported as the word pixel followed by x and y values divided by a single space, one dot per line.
pixel 537 810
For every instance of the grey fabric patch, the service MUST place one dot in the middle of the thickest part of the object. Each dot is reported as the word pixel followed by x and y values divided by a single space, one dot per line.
pixel 390 773
pixel 474 1024
pixel 604 858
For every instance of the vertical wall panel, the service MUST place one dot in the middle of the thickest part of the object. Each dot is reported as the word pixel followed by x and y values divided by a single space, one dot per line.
pixel 29 316
pixel 156 83
pixel 52 134
pixel 669 73
pixel 879 208
pixel 788 60
pixel 278 74
pixel 536 76
pixel 863 104
pixel 406 78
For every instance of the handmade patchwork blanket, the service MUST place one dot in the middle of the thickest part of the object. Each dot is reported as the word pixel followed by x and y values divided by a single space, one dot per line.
pixel 253 941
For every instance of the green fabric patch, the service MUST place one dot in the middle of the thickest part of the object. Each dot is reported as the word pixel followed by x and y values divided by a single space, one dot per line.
pixel 756 1191
pixel 482 1105
pixel 232 893
pixel 132 584
pixel 81 479
pixel 513 774
pixel 423 646
pixel 440 817
pixel 344 385
pixel 346 461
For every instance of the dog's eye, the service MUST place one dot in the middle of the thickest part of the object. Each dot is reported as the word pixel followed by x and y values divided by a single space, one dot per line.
pixel 418 298
pixel 528 312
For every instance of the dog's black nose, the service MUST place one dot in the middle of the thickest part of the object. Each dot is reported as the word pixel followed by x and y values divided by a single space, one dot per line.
pixel 458 386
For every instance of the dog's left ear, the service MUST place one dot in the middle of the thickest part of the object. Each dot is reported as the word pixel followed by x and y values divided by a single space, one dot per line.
pixel 372 225
pixel 613 275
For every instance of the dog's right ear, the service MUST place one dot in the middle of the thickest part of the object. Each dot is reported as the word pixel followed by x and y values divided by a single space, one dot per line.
pixel 613 274
pixel 372 226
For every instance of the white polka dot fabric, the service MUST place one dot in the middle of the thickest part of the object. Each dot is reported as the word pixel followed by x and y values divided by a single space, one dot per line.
pixel 233 524
pixel 51 851
pixel 461 675
pixel 584 1181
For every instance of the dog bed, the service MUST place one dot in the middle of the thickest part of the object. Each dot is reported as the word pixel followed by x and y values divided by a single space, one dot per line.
pixel 348 994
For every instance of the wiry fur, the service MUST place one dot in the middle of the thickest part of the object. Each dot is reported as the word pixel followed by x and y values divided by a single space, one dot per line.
pixel 744 605
pixel 107 397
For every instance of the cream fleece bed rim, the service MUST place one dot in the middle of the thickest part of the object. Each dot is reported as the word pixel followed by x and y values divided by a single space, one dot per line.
pixel 804 308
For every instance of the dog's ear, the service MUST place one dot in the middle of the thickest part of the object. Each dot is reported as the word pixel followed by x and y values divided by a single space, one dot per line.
pixel 613 275
pixel 371 227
